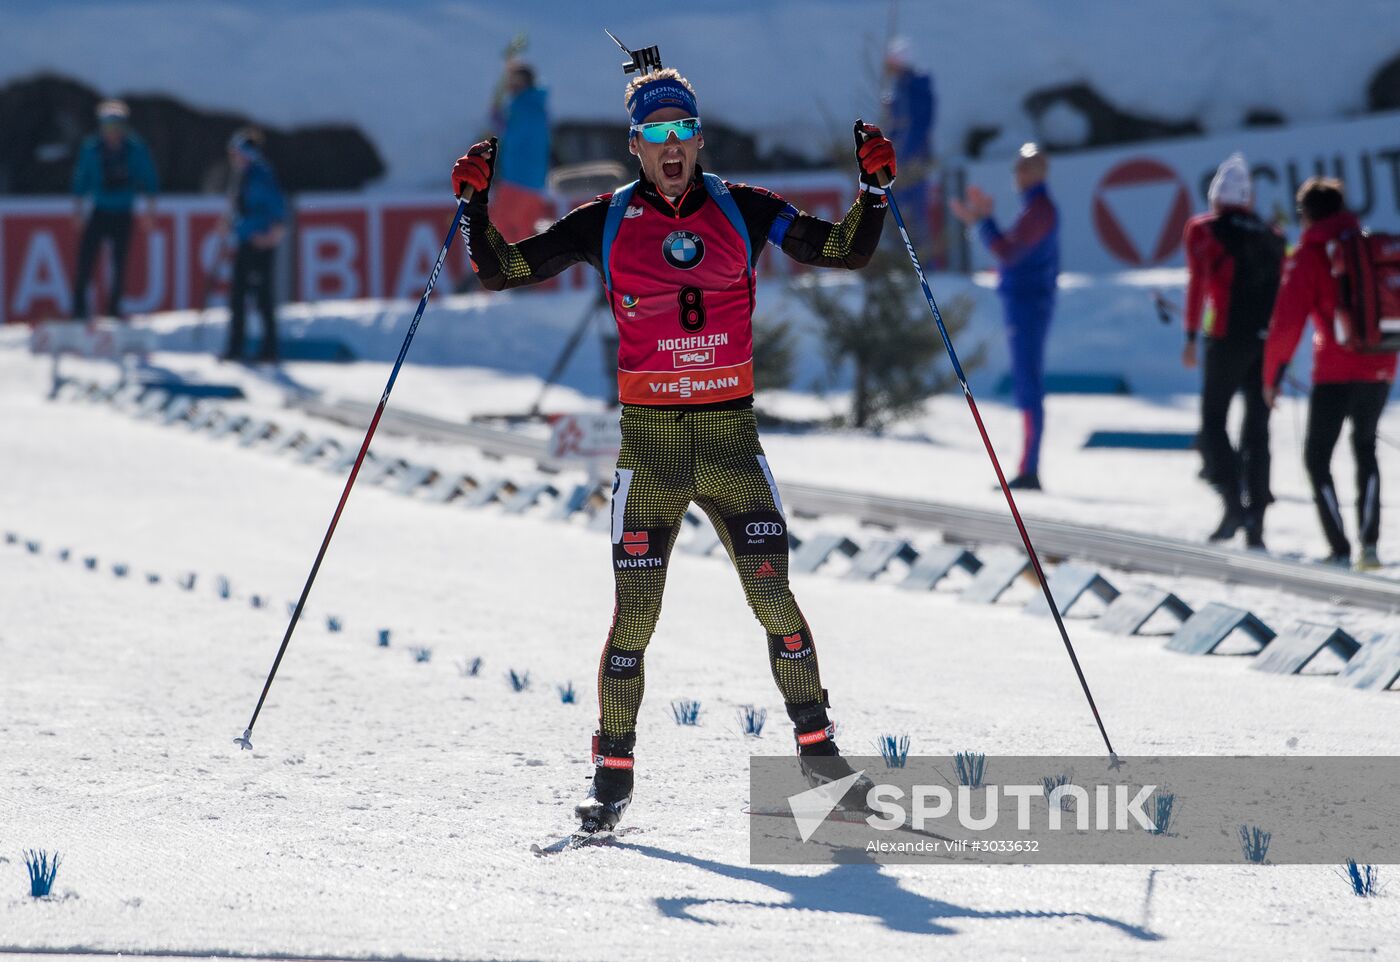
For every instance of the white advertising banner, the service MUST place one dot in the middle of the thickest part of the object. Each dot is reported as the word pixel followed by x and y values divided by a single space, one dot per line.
pixel 585 437
pixel 1124 208
pixel 99 339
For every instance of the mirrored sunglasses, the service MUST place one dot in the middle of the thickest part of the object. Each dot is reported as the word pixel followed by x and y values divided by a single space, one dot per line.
pixel 659 133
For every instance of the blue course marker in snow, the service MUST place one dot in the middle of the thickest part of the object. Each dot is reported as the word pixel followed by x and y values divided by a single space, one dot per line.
pixel 1069 583
pixel 1291 651
pixel 935 563
pixel 1206 629
pixel 1133 609
pixel 996 575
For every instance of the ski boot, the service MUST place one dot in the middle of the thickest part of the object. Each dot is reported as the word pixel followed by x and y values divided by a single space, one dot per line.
pixel 1230 523
pixel 1025 482
pixel 1254 530
pixel 1368 560
pixel 820 759
pixel 611 791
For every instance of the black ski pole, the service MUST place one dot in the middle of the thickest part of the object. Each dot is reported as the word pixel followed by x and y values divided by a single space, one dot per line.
pixel 1001 478
pixel 246 740
pixel 565 355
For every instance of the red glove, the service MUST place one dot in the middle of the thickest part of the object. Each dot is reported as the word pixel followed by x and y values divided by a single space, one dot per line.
pixel 875 154
pixel 471 175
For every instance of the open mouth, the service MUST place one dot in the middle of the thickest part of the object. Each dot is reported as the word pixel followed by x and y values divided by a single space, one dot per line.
pixel 671 169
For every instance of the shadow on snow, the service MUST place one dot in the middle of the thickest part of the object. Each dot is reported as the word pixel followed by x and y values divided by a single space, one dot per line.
pixel 859 888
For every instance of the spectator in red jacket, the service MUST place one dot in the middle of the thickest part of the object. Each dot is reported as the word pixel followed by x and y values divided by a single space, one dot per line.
pixel 1233 259
pixel 1347 385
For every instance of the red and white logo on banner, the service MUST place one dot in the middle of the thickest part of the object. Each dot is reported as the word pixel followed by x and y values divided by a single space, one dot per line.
pixel 584 437
pixel 1140 209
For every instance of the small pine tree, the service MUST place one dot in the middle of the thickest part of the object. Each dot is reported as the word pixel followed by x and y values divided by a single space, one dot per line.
pixel 773 354
pixel 889 339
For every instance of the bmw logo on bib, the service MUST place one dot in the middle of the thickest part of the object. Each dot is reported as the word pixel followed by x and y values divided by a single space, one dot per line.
pixel 683 249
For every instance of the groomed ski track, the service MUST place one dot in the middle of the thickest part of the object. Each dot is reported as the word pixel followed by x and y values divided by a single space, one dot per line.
pixel 387 808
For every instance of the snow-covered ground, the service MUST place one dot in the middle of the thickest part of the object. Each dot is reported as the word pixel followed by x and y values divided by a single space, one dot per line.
pixel 417 76
pixel 389 804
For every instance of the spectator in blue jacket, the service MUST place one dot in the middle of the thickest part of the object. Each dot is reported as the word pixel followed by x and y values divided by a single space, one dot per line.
pixel 910 113
pixel 522 117
pixel 114 166
pixel 1028 255
pixel 257 226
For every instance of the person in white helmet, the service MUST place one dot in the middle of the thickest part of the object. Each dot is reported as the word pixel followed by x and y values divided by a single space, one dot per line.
pixel 1233 260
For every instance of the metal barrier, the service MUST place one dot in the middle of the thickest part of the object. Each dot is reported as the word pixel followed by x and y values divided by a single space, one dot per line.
pixel 1125 550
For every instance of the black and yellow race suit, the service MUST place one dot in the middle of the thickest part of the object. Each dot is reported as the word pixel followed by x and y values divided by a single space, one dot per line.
pixel 679 454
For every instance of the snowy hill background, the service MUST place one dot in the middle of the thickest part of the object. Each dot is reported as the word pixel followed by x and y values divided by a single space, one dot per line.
pixel 417 76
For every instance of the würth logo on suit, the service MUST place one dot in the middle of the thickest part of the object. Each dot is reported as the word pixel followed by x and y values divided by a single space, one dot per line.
pixel 791 647
pixel 641 549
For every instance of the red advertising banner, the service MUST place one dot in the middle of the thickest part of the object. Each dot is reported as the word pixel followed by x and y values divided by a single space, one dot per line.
pixel 38 255
pixel 209 261
pixel 410 237
pixel 339 246
pixel 38 248
pixel 336 255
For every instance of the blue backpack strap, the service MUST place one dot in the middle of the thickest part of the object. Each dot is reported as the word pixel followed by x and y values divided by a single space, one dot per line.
pixel 721 196
pixel 616 209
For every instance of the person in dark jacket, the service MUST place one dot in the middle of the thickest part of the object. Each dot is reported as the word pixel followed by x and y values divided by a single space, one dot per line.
pixel 114 167
pixel 1347 385
pixel 257 227
pixel 1029 258
pixel 1233 260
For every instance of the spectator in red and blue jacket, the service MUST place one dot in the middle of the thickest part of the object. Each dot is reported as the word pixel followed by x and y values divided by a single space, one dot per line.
pixel 1028 255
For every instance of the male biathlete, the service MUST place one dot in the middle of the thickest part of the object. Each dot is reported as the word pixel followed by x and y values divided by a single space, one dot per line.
pixel 677 251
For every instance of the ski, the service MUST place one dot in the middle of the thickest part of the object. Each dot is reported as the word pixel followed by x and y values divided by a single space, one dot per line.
pixel 578 839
